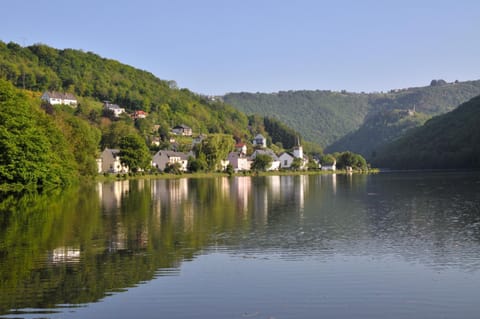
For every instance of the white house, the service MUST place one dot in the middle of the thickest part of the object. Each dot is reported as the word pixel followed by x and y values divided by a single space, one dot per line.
pixel 275 165
pixel 332 167
pixel 60 98
pixel 117 110
pixel 260 141
pixel 287 158
pixel 241 148
pixel 164 158
pixel 109 162
pixel 239 161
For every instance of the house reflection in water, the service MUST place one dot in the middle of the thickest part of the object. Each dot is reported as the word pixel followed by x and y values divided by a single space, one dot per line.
pixel 242 187
pixel 62 255
pixel 110 194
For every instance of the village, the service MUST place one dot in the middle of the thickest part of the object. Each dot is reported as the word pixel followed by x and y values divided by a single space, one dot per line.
pixel 110 160
pixel 240 159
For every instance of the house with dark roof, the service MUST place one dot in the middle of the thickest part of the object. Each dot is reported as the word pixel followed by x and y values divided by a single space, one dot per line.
pixel 182 130
pixel 60 98
pixel 259 141
pixel 110 162
pixel 275 165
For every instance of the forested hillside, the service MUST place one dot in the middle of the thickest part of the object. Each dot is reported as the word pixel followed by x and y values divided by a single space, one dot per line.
pixel 40 68
pixel 361 122
pixel 320 116
pixel 42 150
pixel 449 141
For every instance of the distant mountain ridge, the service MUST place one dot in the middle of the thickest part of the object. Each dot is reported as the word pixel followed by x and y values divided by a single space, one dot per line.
pixel 448 141
pixel 359 122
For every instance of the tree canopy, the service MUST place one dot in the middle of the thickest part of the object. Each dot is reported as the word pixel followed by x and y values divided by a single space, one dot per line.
pixel 33 151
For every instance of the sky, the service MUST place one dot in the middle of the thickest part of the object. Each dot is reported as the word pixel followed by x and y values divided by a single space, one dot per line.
pixel 213 47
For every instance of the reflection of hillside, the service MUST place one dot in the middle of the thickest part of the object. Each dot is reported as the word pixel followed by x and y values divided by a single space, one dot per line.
pixel 130 231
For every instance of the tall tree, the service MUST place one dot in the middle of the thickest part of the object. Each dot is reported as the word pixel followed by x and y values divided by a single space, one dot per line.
pixel 215 148
pixel 134 152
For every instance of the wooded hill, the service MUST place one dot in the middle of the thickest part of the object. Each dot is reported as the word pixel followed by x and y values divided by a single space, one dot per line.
pixel 359 122
pixel 58 144
pixel 448 141
pixel 39 68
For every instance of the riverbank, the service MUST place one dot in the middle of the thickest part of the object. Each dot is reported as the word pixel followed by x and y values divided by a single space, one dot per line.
pixel 142 175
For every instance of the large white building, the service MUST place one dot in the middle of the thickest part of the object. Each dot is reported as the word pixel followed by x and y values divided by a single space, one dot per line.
pixel 60 98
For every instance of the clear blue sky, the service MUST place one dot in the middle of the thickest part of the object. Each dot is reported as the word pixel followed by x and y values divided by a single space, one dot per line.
pixel 213 46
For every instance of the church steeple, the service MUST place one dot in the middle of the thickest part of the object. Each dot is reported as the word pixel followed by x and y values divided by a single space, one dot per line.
pixel 298 150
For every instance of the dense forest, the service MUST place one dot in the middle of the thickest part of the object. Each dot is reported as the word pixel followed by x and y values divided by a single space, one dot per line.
pixel 39 68
pixel 448 141
pixel 360 122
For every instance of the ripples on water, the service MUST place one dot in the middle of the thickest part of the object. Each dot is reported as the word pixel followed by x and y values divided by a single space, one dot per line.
pixel 387 245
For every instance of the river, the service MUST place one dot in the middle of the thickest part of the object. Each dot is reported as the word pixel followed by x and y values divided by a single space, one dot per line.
pixel 389 245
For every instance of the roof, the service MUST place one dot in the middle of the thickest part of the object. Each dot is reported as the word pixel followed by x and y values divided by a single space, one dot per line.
pixel 268 152
pixel 185 127
pixel 62 96
pixel 240 145
pixel 111 106
pixel 114 151
pixel 287 153
pixel 259 136
pixel 169 154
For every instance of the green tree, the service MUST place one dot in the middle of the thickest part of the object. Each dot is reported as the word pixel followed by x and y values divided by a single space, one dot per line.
pixel 261 162
pixel 327 159
pixel 174 168
pixel 32 149
pixel 134 152
pixel 215 148
pixel 83 140
pixel 296 164
pixel 229 170
pixel 197 164
pixel 351 159
pixel 113 133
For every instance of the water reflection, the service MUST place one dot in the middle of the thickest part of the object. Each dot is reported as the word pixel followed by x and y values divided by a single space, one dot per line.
pixel 78 246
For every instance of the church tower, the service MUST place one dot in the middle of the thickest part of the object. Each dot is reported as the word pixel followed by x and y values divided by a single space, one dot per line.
pixel 298 150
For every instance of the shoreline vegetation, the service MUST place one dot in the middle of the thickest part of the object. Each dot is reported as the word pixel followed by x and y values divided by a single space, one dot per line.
pixel 128 176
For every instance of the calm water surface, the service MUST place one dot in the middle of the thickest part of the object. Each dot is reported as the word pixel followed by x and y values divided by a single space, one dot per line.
pixel 381 246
